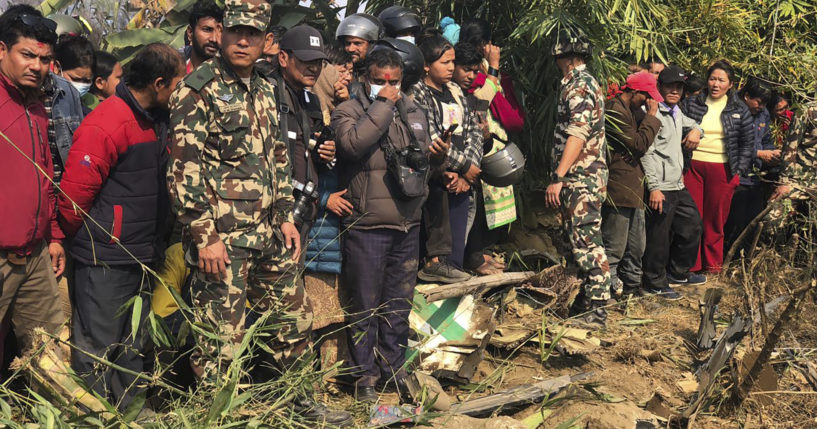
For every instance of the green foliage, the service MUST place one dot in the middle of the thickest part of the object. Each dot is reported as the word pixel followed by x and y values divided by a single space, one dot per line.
pixel 772 39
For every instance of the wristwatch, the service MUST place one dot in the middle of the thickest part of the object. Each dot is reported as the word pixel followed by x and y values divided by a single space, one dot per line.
pixel 555 178
pixel 493 72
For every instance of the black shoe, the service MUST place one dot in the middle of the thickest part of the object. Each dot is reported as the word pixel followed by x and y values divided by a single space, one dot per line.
pixel 366 394
pixel 396 385
pixel 666 292
pixel 693 279
pixel 677 280
pixel 317 412
pixel 442 272
pixel 590 314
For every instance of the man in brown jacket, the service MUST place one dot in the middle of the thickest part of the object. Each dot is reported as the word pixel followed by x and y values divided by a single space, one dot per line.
pixel 630 132
pixel 381 244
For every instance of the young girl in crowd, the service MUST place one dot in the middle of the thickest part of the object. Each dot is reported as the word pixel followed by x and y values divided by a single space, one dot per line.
pixel 445 214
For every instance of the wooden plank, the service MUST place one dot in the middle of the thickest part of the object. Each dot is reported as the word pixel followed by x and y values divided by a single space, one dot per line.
pixel 516 397
pixel 476 284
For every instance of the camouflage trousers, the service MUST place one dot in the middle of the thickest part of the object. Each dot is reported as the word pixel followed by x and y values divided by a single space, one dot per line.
pixel 581 216
pixel 262 286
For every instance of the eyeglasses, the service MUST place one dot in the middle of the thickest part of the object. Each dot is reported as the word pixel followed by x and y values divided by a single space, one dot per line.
pixel 34 20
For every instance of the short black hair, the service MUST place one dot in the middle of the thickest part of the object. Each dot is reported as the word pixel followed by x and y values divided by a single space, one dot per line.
pixel 276 30
pixel 205 9
pixel 433 46
pixel 476 31
pixel 12 27
pixel 104 64
pixel 383 58
pixel 755 88
pixel 467 54
pixel 154 61
pixel 722 65
pixel 74 51
pixel 337 55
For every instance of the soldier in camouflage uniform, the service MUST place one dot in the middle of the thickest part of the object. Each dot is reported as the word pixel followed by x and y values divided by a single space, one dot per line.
pixel 229 179
pixel 579 182
pixel 798 182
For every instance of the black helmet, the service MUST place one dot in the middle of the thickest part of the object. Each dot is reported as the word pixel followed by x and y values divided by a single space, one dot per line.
pixel 503 168
pixel 412 58
pixel 398 19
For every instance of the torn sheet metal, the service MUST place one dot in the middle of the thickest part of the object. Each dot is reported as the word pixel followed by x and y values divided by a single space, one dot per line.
pixel 452 335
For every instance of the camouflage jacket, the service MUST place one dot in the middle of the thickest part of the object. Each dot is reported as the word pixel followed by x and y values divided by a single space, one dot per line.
pixel 580 113
pixel 800 150
pixel 229 175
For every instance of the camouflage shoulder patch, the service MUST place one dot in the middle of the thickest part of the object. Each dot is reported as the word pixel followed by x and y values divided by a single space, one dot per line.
pixel 200 77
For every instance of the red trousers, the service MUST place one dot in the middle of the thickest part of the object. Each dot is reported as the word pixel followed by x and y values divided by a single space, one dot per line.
pixel 712 190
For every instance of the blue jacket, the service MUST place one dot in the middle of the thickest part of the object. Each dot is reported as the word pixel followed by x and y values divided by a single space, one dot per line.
pixel 323 252
pixel 738 131
pixel 66 114
pixel 763 141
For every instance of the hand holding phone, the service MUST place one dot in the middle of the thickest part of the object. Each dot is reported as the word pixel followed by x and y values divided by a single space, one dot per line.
pixel 449 132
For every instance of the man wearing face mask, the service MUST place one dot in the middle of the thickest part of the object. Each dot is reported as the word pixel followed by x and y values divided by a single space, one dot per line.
pixel 62 96
pixel 301 60
pixel 382 242
pixel 401 23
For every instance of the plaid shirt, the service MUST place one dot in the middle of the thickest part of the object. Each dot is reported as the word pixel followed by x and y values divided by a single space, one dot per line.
pixel 458 159
pixel 48 92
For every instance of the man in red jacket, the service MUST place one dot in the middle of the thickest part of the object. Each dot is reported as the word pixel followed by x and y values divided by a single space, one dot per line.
pixel 116 175
pixel 30 249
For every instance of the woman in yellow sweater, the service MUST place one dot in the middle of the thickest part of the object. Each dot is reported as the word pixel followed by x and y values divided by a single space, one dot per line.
pixel 714 166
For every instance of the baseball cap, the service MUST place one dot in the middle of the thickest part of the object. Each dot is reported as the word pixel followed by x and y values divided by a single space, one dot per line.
pixel 252 13
pixel 672 74
pixel 305 42
pixel 645 82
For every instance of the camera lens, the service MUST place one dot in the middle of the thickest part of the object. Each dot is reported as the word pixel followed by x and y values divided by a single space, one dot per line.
pixel 416 160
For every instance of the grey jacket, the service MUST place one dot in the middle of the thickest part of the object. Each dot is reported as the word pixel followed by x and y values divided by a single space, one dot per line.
pixel 359 125
pixel 66 113
pixel 664 161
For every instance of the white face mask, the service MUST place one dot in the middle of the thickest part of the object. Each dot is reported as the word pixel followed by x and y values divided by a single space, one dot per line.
pixel 409 39
pixel 375 90
pixel 82 88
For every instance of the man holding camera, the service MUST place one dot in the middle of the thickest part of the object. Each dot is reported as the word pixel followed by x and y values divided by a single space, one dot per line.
pixel 229 179
pixel 311 145
pixel 387 192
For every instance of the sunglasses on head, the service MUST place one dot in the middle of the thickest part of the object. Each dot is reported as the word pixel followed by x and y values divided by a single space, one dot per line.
pixel 34 20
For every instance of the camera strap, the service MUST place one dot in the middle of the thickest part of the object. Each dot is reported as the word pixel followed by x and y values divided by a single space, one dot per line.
pixel 285 109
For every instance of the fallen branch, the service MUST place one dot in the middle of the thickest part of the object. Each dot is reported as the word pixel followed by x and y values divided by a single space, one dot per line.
pixel 475 285
pixel 513 398
pixel 727 261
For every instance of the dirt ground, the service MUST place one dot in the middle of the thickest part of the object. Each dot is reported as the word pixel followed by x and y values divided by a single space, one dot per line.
pixel 644 362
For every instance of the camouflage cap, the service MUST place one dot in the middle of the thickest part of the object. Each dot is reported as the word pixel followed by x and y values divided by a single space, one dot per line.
pixel 570 42
pixel 252 13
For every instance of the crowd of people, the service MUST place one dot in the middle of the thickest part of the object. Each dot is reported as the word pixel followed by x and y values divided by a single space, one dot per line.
pixel 257 154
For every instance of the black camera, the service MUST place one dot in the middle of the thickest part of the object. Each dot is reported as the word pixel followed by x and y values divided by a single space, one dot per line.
pixel 415 158
pixel 327 134
pixel 305 197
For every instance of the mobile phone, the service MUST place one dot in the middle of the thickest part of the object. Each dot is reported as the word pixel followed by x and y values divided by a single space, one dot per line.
pixel 447 133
